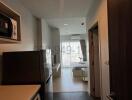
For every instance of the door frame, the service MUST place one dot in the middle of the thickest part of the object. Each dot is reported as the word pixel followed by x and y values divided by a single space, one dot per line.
pixel 91 50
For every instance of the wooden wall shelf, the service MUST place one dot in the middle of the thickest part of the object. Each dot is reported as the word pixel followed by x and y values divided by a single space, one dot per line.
pixel 5 41
pixel 4 9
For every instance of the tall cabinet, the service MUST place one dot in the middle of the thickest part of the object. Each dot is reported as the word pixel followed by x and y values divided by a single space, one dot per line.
pixel 120 48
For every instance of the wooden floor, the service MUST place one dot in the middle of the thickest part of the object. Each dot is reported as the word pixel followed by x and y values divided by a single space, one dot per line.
pixel 68 83
pixel 72 96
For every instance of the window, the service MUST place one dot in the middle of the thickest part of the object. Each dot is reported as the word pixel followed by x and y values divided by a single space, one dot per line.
pixel 71 52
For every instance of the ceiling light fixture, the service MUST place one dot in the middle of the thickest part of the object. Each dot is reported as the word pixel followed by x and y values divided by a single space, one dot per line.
pixel 65 24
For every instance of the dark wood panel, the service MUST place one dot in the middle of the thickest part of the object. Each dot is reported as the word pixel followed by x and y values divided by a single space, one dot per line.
pixel 21 67
pixel 120 33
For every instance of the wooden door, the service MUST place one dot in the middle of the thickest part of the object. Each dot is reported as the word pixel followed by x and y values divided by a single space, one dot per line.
pixel 120 48
pixel 94 61
pixel 91 60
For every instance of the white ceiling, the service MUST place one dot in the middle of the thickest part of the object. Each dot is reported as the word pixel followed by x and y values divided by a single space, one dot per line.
pixel 74 25
pixel 60 12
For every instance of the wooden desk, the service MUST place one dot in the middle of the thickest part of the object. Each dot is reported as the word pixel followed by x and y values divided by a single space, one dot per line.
pixel 18 92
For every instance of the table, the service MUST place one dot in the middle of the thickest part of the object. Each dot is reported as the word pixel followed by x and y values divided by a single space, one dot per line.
pixel 19 92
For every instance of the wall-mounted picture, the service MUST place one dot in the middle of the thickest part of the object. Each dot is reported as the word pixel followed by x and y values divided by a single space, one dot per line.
pixel 14 29
pixel 8 27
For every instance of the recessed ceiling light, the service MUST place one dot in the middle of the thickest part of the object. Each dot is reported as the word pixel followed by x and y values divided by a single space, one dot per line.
pixel 65 24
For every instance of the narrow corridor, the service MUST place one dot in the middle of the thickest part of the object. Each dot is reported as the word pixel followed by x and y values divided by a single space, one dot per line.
pixel 72 96
pixel 68 83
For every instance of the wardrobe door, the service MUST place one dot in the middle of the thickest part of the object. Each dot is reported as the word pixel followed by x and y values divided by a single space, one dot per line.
pixel 120 48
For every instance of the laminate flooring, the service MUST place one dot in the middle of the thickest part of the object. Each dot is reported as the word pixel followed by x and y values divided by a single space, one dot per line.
pixel 68 83
pixel 72 96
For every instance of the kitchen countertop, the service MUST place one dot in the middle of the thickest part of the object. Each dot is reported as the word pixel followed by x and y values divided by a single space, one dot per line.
pixel 18 92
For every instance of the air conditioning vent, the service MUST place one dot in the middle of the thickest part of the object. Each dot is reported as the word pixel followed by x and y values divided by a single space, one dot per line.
pixel 75 36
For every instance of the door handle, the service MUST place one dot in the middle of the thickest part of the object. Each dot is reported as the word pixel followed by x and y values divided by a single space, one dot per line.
pixel 112 96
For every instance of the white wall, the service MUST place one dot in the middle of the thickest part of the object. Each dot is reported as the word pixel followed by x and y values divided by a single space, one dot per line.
pixel 55 36
pixel 50 38
pixel 46 35
pixel 99 14
pixel 28 29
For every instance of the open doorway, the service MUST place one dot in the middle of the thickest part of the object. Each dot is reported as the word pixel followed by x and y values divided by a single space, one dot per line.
pixel 74 65
pixel 94 61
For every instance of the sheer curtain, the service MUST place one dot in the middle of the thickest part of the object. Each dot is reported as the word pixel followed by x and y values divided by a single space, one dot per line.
pixel 83 48
pixel 71 53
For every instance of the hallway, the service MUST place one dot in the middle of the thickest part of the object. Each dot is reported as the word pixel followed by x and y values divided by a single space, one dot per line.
pixel 72 96
pixel 68 83
pixel 43 23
